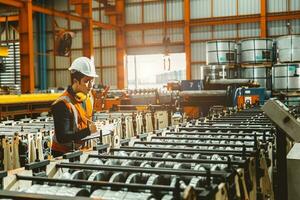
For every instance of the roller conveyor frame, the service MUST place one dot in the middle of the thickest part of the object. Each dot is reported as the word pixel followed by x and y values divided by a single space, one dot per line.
pixel 241 163
pixel 194 144
pixel 187 151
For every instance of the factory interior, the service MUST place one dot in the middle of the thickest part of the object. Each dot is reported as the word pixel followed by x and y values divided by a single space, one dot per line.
pixel 150 99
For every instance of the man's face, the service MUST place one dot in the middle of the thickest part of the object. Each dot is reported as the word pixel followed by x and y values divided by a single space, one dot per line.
pixel 86 84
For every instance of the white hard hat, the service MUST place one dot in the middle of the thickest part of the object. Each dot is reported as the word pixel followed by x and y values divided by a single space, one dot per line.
pixel 85 66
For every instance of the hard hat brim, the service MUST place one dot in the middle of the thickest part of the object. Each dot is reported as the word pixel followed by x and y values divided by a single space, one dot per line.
pixel 89 75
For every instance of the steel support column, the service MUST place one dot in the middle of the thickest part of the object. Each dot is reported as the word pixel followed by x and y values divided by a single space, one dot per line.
pixel 87 30
pixel 26 48
pixel 120 34
pixel 187 38
pixel 263 18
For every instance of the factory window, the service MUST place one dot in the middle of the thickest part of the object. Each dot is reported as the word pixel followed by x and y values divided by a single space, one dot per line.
pixel 154 71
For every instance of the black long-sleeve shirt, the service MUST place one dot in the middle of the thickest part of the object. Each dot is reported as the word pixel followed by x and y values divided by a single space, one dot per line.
pixel 64 123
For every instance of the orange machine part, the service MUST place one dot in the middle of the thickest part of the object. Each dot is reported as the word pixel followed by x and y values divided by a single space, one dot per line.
pixel 241 101
pixel 191 111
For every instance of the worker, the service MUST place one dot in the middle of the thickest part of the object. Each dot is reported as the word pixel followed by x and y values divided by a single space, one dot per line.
pixel 73 110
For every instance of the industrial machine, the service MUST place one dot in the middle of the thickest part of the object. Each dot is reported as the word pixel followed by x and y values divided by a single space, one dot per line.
pixel 220 157
pixel 288 126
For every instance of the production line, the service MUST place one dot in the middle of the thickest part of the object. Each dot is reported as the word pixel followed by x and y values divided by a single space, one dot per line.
pixel 191 160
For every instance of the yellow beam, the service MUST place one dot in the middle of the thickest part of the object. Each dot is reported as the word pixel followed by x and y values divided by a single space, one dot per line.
pixel 28 98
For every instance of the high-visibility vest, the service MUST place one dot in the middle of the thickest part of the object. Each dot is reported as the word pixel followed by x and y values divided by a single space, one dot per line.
pixel 81 117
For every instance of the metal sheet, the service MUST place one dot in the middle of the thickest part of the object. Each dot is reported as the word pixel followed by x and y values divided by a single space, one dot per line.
pixel 247 7
pixel 108 37
pixel 224 8
pixel 110 77
pixel 97 57
pixel 104 18
pixel 225 31
pixel 63 78
pixel 50 79
pixel 201 32
pixel 286 77
pixel 197 72
pixel 62 62
pixel 203 93
pixel 220 52
pixel 96 15
pixel 295 4
pixel 75 25
pixel 96 37
pixel 277 28
pixel 200 9
pixel 277 5
pixel 288 48
pixel 133 13
pixel 198 51
pixel 109 56
pixel 256 50
pixel 153 36
pixel 249 30
pixel 175 10
pixel 176 34
pixel 154 12
pixel 134 38
pixel 295 26
pixel 77 40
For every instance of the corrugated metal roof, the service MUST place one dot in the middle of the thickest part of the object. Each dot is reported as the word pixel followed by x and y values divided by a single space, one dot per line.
pixel 134 38
pixel 200 9
pixel 247 7
pixel 277 28
pixel 201 32
pixel 175 10
pixel 198 51
pixel 109 56
pixel 225 31
pixel 154 12
pixel 249 30
pixel 224 8
pixel 153 36
pixel 133 14
pixel 277 5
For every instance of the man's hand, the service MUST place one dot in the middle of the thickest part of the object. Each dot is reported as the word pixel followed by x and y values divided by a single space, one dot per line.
pixel 92 127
